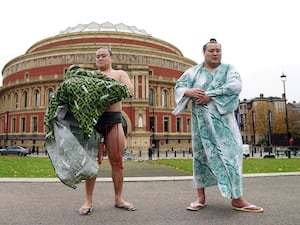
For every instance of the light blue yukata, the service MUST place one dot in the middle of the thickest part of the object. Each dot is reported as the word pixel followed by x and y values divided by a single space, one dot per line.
pixel 216 139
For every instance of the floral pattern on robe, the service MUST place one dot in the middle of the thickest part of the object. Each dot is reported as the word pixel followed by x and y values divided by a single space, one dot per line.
pixel 217 143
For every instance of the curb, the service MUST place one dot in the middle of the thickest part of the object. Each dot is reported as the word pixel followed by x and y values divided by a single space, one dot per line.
pixel 137 179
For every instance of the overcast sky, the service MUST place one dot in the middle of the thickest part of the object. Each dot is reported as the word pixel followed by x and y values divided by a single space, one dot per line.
pixel 260 38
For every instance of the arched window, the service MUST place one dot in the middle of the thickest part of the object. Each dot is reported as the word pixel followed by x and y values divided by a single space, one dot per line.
pixel 16 100
pixel 25 99
pixel 140 122
pixel 9 103
pixel 151 97
pixel 164 95
pixel 37 96
pixel 50 94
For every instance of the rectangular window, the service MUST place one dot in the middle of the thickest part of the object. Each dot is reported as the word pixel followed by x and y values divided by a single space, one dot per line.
pixel 23 123
pixel 151 97
pixel 152 124
pixel 14 125
pixel 178 124
pixel 34 124
pixel 166 124
pixel 188 125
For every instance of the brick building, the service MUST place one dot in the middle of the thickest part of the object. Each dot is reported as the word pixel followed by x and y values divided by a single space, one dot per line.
pixel 154 65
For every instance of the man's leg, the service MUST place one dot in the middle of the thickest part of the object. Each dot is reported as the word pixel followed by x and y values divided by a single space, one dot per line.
pixel 89 189
pixel 200 201
pixel 241 204
pixel 115 145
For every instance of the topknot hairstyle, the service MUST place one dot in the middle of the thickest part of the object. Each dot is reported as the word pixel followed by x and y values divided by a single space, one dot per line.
pixel 106 48
pixel 212 40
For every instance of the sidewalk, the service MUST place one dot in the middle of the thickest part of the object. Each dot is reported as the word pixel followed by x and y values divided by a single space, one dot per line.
pixel 160 193
pixel 158 203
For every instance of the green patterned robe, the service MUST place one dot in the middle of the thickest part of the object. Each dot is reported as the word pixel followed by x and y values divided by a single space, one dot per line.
pixel 217 143
pixel 71 140
pixel 87 95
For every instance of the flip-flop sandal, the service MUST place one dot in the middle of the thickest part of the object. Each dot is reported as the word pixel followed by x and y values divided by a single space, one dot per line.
pixel 195 206
pixel 249 208
pixel 128 207
pixel 85 211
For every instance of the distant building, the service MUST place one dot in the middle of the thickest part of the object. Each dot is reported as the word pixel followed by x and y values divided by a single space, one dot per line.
pixel 262 121
pixel 154 65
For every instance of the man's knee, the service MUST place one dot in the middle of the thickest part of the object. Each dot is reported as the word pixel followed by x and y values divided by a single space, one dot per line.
pixel 117 165
pixel 116 162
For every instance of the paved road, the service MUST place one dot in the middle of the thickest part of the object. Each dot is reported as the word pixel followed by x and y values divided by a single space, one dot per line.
pixel 160 201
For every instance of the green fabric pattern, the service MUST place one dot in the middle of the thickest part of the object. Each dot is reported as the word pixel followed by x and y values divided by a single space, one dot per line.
pixel 87 95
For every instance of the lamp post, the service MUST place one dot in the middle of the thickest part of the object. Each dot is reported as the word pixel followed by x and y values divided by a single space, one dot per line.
pixel 283 79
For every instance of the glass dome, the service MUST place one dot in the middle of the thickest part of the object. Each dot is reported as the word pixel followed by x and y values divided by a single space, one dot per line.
pixel 107 26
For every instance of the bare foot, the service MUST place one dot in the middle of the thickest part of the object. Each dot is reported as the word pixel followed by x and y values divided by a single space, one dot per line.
pixel 125 205
pixel 241 204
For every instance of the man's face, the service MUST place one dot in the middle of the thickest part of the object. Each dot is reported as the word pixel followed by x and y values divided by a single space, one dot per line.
pixel 213 54
pixel 103 58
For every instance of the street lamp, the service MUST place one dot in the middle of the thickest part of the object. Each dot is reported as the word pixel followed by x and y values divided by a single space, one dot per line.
pixel 283 79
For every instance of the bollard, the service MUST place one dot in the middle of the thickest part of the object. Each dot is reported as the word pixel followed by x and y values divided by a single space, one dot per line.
pixel 150 152
pixel 289 153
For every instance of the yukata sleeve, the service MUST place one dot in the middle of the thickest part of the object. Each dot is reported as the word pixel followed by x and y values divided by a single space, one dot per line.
pixel 181 86
pixel 226 96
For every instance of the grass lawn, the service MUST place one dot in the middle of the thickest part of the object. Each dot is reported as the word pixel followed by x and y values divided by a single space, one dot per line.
pixel 41 167
pixel 250 165
pixel 31 167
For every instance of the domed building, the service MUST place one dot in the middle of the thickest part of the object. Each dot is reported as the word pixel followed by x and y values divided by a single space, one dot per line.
pixel 153 65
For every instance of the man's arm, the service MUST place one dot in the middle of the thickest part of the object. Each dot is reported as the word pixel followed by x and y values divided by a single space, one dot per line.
pixel 124 79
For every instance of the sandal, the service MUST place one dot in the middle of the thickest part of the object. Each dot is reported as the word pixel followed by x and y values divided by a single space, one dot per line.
pixel 128 207
pixel 85 211
pixel 195 206
pixel 249 208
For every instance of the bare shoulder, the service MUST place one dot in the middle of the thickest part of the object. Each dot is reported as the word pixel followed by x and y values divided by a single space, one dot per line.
pixel 123 78
pixel 121 73
pixel 117 74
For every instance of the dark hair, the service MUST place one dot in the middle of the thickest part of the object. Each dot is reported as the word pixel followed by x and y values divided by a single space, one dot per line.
pixel 212 40
pixel 108 49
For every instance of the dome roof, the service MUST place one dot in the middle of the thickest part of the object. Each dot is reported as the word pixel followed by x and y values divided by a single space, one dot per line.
pixel 107 26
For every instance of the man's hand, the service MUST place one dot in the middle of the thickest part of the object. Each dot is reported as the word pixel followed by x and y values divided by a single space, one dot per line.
pixel 199 94
pixel 204 100
pixel 195 93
